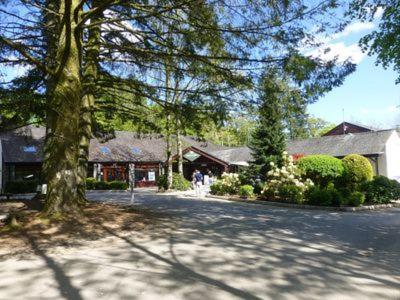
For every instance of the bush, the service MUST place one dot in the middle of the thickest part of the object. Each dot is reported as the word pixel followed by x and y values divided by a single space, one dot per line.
pixel 258 187
pixel 285 181
pixel 321 169
pixel 228 184
pixel 381 190
pixel 118 185
pixel 246 191
pixel 216 188
pixel 328 196
pixel 356 199
pixel 93 184
pixel 90 183
pixel 357 169
pixel 21 186
pixel 291 193
pixel 179 183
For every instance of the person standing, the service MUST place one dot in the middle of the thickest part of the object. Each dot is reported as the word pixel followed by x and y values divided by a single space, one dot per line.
pixel 198 180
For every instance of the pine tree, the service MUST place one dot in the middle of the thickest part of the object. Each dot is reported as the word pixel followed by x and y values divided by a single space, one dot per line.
pixel 268 140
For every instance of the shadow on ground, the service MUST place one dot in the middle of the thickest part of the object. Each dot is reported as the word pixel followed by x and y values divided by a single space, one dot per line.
pixel 212 249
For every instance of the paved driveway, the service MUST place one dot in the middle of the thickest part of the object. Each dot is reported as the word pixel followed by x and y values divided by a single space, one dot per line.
pixel 212 249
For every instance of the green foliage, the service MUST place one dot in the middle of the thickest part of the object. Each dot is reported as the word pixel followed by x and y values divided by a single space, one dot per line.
pixel 246 191
pixel 357 169
pixel 20 186
pixel 228 184
pixel 316 127
pixel 217 188
pixel 118 185
pixel 381 190
pixel 259 187
pixel 268 140
pixel 90 183
pixel 321 169
pixel 93 184
pixel 356 199
pixel 236 131
pixel 179 183
pixel 291 194
pixel 286 182
pixel 382 42
pixel 324 196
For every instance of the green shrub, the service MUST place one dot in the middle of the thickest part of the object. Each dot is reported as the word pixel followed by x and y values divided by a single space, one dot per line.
pixel 258 187
pixel 101 185
pixel 321 169
pixel 93 184
pixel 356 199
pixel 357 169
pixel 381 190
pixel 246 191
pixel 216 188
pixel 229 184
pixel 21 186
pixel 179 183
pixel 291 193
pixel 118 185
pixel 90 183
pixel 328 196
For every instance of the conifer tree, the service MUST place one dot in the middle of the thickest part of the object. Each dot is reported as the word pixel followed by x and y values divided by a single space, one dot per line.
pixel 268 141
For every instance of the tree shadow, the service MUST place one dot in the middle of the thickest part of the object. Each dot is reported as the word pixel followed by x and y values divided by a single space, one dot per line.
pixel 185 271
pixel 67 290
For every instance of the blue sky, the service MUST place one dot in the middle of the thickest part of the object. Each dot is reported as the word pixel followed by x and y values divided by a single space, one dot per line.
pixel 369 95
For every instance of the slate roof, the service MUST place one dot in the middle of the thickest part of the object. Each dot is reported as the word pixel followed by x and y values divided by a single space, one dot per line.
pixel 132 147
pixel 233 155
pixel 16 143
pixel 365 143
pixel 124 147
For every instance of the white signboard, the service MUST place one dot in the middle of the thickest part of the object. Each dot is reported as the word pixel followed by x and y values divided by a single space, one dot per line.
pixel 191 156
pixel 152 176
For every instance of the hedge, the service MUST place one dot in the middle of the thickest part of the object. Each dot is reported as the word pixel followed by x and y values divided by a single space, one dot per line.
pixel 357 169
pixel 93 184
pixel 381 190
pixel 321 169
pixel 20 186
pixel 179 183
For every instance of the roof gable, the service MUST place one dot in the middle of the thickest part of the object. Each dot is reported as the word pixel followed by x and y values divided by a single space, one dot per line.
pixel 347 127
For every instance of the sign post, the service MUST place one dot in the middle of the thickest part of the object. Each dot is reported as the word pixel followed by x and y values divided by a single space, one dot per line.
pixel 132 181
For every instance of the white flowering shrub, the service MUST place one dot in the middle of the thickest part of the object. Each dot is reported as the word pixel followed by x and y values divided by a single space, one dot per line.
pixel 228 184
pixel 286 183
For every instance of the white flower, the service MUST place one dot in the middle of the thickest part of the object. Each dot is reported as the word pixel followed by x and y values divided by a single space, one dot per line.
pixel 284 153
pixel 271 164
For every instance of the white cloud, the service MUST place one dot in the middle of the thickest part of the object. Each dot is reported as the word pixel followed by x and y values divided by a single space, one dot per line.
pixel 331 48
pixel 340 51
pixel 353 28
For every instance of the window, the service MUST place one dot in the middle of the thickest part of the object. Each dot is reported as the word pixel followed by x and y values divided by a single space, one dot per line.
pixel 136 150
pixel 29 149
pixel 105 150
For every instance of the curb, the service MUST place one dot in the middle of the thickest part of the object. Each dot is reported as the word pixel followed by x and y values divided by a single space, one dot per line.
pixel 306 206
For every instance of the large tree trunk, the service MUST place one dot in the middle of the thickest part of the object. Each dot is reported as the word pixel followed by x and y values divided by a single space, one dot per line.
pixel 86 114
pixel 62 143
pixel 179 148
pixel 169 152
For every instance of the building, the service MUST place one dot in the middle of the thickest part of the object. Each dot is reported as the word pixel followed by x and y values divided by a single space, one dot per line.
pixel 21 153
pixel 381 147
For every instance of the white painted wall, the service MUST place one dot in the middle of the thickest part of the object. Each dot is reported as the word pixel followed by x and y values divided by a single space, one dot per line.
pixel 392 155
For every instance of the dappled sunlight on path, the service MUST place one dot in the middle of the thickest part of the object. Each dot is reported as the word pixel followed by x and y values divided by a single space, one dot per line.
pixel 211 249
